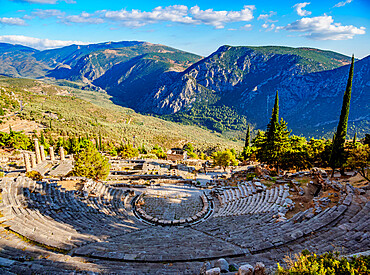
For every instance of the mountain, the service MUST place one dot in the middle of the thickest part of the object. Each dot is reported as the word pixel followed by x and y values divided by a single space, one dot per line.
pixel 243 82
pixel 233 71
pixel 223 92
pixel 18 61
pixel 86 63
pixel 65 111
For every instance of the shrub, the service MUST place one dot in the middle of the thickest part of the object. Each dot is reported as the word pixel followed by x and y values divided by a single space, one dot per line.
pixel 34 175
pixel 128 151
pixel 91 164
pixel 328 263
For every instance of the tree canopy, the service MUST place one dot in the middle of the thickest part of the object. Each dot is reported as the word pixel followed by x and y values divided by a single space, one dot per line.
pixel 224 159
pixel 91 164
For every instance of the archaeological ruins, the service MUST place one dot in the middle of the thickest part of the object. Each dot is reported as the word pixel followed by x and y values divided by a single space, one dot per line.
pixel 161 217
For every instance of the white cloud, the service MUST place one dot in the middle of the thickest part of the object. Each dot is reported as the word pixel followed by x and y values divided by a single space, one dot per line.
pixel 323 28
pixel 12 21
pixel 268 27
pixel 246 27
pixel 266 17
pixel 45 1
pixel 174 14
pixel 48 13
pixel 219 18
pixel 84 17
pixel 37 43
pixel 137 18
pixel 299 9
pixel 343 3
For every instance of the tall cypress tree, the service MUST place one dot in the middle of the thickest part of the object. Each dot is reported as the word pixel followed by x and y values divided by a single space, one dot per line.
pixel 274 121
pixel 247 137
pixel 354 138
pixel 273 144
pixel 337 158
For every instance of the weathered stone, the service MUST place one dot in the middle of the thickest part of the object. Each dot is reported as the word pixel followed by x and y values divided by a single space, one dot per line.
pixel 27 163
pixel 51 153
pixel 42 153
pixel 33 161
pixel 61 153
pixel 259 269
pixel 213 271
pixel 222 264
pixel 246 269
pixel 206 266
pixel 37 151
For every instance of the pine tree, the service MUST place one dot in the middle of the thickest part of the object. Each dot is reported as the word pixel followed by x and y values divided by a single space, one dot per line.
pixel 247 137
pixel 338 158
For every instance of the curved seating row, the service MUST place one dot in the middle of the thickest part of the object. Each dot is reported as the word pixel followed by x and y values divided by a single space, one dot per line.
pixel 258 230
pixel 48 214
pixel 246 200
pixel 190 220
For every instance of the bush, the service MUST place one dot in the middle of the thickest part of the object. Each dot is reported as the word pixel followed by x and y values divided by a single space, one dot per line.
pixel 34 175
pixel 158 151
pixel 91 164
pixel 328 263
pixel 128 151
pixel 224 159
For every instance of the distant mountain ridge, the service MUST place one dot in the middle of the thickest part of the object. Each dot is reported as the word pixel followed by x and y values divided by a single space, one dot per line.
pixel 239 82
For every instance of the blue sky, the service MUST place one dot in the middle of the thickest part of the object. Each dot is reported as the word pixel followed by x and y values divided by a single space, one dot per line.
pixel 195 26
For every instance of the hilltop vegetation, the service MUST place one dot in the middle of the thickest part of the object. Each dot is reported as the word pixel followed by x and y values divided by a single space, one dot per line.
pixel 72 112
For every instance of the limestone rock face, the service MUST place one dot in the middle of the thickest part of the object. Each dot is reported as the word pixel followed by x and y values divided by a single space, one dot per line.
pixel 246 270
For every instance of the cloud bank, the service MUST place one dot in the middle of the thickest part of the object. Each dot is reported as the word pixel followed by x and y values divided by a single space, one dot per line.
pixel 343 3
pixel 137 18
pixel 37 43
pixel 299 9
pixel 14 21
pixel 323 28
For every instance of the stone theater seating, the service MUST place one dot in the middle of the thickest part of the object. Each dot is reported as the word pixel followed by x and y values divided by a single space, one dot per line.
pixel 100 224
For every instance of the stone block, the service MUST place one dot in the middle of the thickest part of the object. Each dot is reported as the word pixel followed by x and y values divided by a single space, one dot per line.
pixel 259 269
pixel 222 264
pixel 213 271
pixel 246 269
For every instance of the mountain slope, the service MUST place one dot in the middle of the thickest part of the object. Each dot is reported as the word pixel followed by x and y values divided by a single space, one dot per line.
pixel 243 80
pixel 225 91
pixel 66 111
pixel 18 61
pixel 230 71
